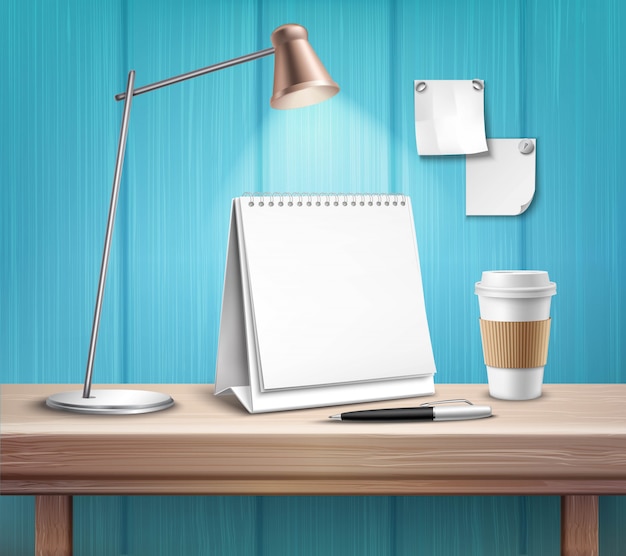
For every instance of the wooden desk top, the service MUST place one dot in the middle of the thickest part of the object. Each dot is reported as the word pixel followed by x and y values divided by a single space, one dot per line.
pixel 572 440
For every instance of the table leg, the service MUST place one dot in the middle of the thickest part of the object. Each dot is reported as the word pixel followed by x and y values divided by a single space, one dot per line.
pixel 53 525
pixel 579 525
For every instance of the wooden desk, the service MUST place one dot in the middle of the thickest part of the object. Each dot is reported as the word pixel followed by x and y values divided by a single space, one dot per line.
pixel 570 442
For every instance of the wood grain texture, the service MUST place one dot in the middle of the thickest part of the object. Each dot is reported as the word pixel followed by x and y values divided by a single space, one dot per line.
pixel 579 530
pixel 53 525
pixel 561 443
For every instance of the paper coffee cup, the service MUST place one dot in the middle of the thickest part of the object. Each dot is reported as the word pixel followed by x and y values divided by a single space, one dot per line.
pixel 515 330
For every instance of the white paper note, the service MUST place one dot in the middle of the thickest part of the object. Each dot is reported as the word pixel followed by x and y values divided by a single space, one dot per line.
pixel 501 181
pixel 450 117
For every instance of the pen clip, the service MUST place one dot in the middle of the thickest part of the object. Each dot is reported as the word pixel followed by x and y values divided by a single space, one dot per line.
pixel 441 402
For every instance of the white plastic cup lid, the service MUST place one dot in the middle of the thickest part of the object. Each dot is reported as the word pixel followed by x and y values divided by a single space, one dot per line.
pixel 515 283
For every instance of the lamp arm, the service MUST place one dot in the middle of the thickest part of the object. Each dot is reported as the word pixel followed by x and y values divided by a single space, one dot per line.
pixel 117 176
pixel 198 72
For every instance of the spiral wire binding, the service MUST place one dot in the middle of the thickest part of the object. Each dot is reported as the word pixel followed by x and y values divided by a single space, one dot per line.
pixel 325 199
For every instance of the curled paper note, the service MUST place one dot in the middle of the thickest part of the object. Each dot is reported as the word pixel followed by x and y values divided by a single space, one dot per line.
pixel 501 181
pixel 450 117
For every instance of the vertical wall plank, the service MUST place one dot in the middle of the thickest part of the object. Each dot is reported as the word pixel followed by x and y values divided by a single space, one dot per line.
pixel 149 525
pixel 17 525
pixel 612 510
pixel 58 143
pixel 329 525
pixel 192 147
pixel 574 83
pixel 192 525
pixel 98 525
pixel 478 525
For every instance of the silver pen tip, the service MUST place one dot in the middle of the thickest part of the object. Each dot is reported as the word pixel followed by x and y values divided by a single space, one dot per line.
pixel 335 417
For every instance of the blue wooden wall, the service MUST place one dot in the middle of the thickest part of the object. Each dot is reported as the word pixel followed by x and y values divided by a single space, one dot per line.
pixel 553 70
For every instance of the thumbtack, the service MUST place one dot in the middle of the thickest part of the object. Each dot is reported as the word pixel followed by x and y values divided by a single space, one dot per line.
pixel 526 146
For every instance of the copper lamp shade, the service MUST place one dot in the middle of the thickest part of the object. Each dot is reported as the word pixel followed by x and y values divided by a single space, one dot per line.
pixel 300 79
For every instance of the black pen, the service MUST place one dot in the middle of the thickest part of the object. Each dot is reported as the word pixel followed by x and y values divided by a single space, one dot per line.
pixel 423 413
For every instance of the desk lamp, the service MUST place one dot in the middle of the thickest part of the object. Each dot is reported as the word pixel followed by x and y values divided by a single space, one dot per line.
pixel 300 80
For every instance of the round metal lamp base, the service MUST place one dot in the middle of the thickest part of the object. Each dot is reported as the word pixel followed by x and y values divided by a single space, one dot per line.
pixel 111 402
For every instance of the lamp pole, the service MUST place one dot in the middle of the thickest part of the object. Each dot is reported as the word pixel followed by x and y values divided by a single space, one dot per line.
pixel 117 178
